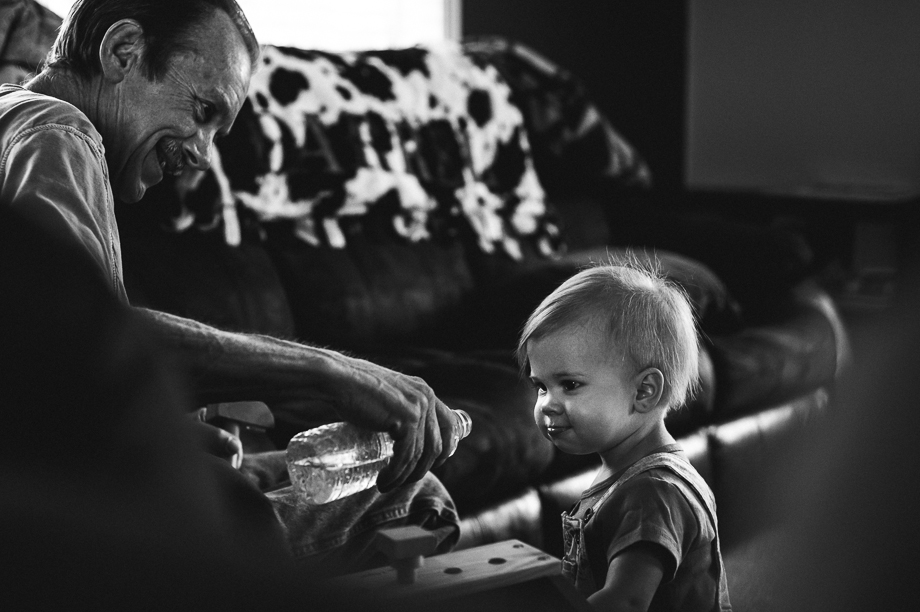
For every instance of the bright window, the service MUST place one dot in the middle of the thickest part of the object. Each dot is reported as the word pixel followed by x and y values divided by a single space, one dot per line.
pixel 342 25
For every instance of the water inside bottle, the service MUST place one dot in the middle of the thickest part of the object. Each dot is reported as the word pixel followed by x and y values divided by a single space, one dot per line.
pixel 326 479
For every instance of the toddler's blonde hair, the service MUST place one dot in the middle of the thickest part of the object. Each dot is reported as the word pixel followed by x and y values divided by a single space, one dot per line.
pixel 648 318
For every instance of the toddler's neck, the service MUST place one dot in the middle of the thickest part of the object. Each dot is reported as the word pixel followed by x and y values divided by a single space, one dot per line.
pixel 624 455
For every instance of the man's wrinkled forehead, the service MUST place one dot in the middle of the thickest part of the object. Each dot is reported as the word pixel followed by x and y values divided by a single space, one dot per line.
pixel 219 61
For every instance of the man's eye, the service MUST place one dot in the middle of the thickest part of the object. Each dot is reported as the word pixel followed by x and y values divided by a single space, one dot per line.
pixel 206 112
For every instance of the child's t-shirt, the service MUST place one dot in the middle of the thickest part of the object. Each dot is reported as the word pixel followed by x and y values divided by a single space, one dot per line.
pixel 659 506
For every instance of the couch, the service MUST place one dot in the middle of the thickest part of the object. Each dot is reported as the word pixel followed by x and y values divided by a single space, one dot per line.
pixel 412 206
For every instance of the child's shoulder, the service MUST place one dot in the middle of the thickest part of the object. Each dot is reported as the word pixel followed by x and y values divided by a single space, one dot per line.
pixel 660 490
pixel 661 479
pixel 669 472
pixel 671 465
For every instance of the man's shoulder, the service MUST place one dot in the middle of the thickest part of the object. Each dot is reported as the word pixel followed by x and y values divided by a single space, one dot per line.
pixel 24 112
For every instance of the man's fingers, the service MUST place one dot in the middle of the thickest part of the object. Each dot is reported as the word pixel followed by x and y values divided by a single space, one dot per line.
pixel 416 449
pixel 405 451
pixel 450 434
pixel 234 447
pixel 431 449
pixel 407 408
pixel 219 442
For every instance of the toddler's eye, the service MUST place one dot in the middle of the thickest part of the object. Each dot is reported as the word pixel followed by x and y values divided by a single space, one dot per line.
pixel 570 385
pixel 538 386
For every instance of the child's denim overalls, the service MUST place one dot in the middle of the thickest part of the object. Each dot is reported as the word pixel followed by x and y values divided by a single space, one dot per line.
pixel 575 564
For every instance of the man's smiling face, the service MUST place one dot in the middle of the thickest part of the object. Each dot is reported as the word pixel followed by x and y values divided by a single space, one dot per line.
pixel 169 124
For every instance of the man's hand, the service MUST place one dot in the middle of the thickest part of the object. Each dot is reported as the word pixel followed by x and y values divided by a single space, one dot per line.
pixel 216 441
pixel 228 365
pixel 423 428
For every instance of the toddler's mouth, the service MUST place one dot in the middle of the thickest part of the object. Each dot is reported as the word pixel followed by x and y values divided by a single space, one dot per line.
pixel 555 430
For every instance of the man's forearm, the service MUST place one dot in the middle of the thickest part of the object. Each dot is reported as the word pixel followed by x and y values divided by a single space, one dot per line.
pixel 229 366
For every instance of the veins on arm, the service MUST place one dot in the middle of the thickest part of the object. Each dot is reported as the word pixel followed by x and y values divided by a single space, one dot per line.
pixel 227 366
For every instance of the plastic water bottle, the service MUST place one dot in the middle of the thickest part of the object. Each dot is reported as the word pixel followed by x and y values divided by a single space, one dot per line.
pixel 333 461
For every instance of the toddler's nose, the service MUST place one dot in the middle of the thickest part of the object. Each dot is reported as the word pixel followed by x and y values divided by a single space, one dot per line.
pixel 550 406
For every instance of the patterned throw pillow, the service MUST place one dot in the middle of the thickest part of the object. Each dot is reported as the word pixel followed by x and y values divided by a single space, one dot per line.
pixel 421 143
pixel 574 144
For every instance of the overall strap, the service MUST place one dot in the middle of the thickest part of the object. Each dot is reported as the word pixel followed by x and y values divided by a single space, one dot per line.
pixel 683 470
pixel 696 482
pixel 646 463
pixel 666 460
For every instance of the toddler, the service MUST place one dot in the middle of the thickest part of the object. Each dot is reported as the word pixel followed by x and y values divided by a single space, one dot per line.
pixel 610 352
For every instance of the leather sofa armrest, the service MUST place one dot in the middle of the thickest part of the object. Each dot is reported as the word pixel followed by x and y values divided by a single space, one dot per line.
pixel 751 459
pixel 518 517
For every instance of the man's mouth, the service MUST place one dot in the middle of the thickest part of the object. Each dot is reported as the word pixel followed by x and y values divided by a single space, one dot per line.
pixel 169 154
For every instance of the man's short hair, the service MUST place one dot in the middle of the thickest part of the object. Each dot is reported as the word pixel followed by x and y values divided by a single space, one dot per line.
pixel 168 26
pixel 647 318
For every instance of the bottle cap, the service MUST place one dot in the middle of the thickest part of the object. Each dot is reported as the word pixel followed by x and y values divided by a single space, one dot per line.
pixel 463 424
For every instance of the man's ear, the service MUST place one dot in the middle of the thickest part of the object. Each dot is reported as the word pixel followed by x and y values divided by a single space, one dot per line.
pixel 649 389
pixel 121 49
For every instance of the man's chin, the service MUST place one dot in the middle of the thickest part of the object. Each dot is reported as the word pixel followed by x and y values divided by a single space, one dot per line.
pixel 131 194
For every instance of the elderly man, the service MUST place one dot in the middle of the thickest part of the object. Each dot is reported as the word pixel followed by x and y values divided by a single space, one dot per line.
pixel 135 89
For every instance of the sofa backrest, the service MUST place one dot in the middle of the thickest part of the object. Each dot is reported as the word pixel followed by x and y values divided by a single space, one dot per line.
pixel 423 133
pixel 369 177
pixel 386 185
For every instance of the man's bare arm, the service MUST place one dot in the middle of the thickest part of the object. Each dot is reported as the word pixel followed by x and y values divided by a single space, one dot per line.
pixel 228 366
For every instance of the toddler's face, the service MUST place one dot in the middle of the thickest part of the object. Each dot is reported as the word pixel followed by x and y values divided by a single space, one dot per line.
pixel 585 391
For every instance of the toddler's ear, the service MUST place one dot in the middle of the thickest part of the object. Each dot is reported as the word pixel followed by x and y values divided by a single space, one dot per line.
pixel 649 389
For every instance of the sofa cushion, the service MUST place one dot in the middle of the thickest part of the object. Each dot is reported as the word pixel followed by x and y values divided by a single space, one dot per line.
pixel 520 518
pixel 493 313
pixel 745 453
pixel 370 291
pixel 197 275
pixel 766 365
pixel 713 304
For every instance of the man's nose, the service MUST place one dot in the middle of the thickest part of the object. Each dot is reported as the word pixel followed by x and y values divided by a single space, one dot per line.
pixel 198 151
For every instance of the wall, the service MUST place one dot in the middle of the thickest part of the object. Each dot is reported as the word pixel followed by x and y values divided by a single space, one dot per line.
pixel 775 95
pixel 804 96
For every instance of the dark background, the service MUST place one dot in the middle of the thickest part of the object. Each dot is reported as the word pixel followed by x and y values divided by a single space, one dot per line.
pixel 777 112
pixel 630 54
